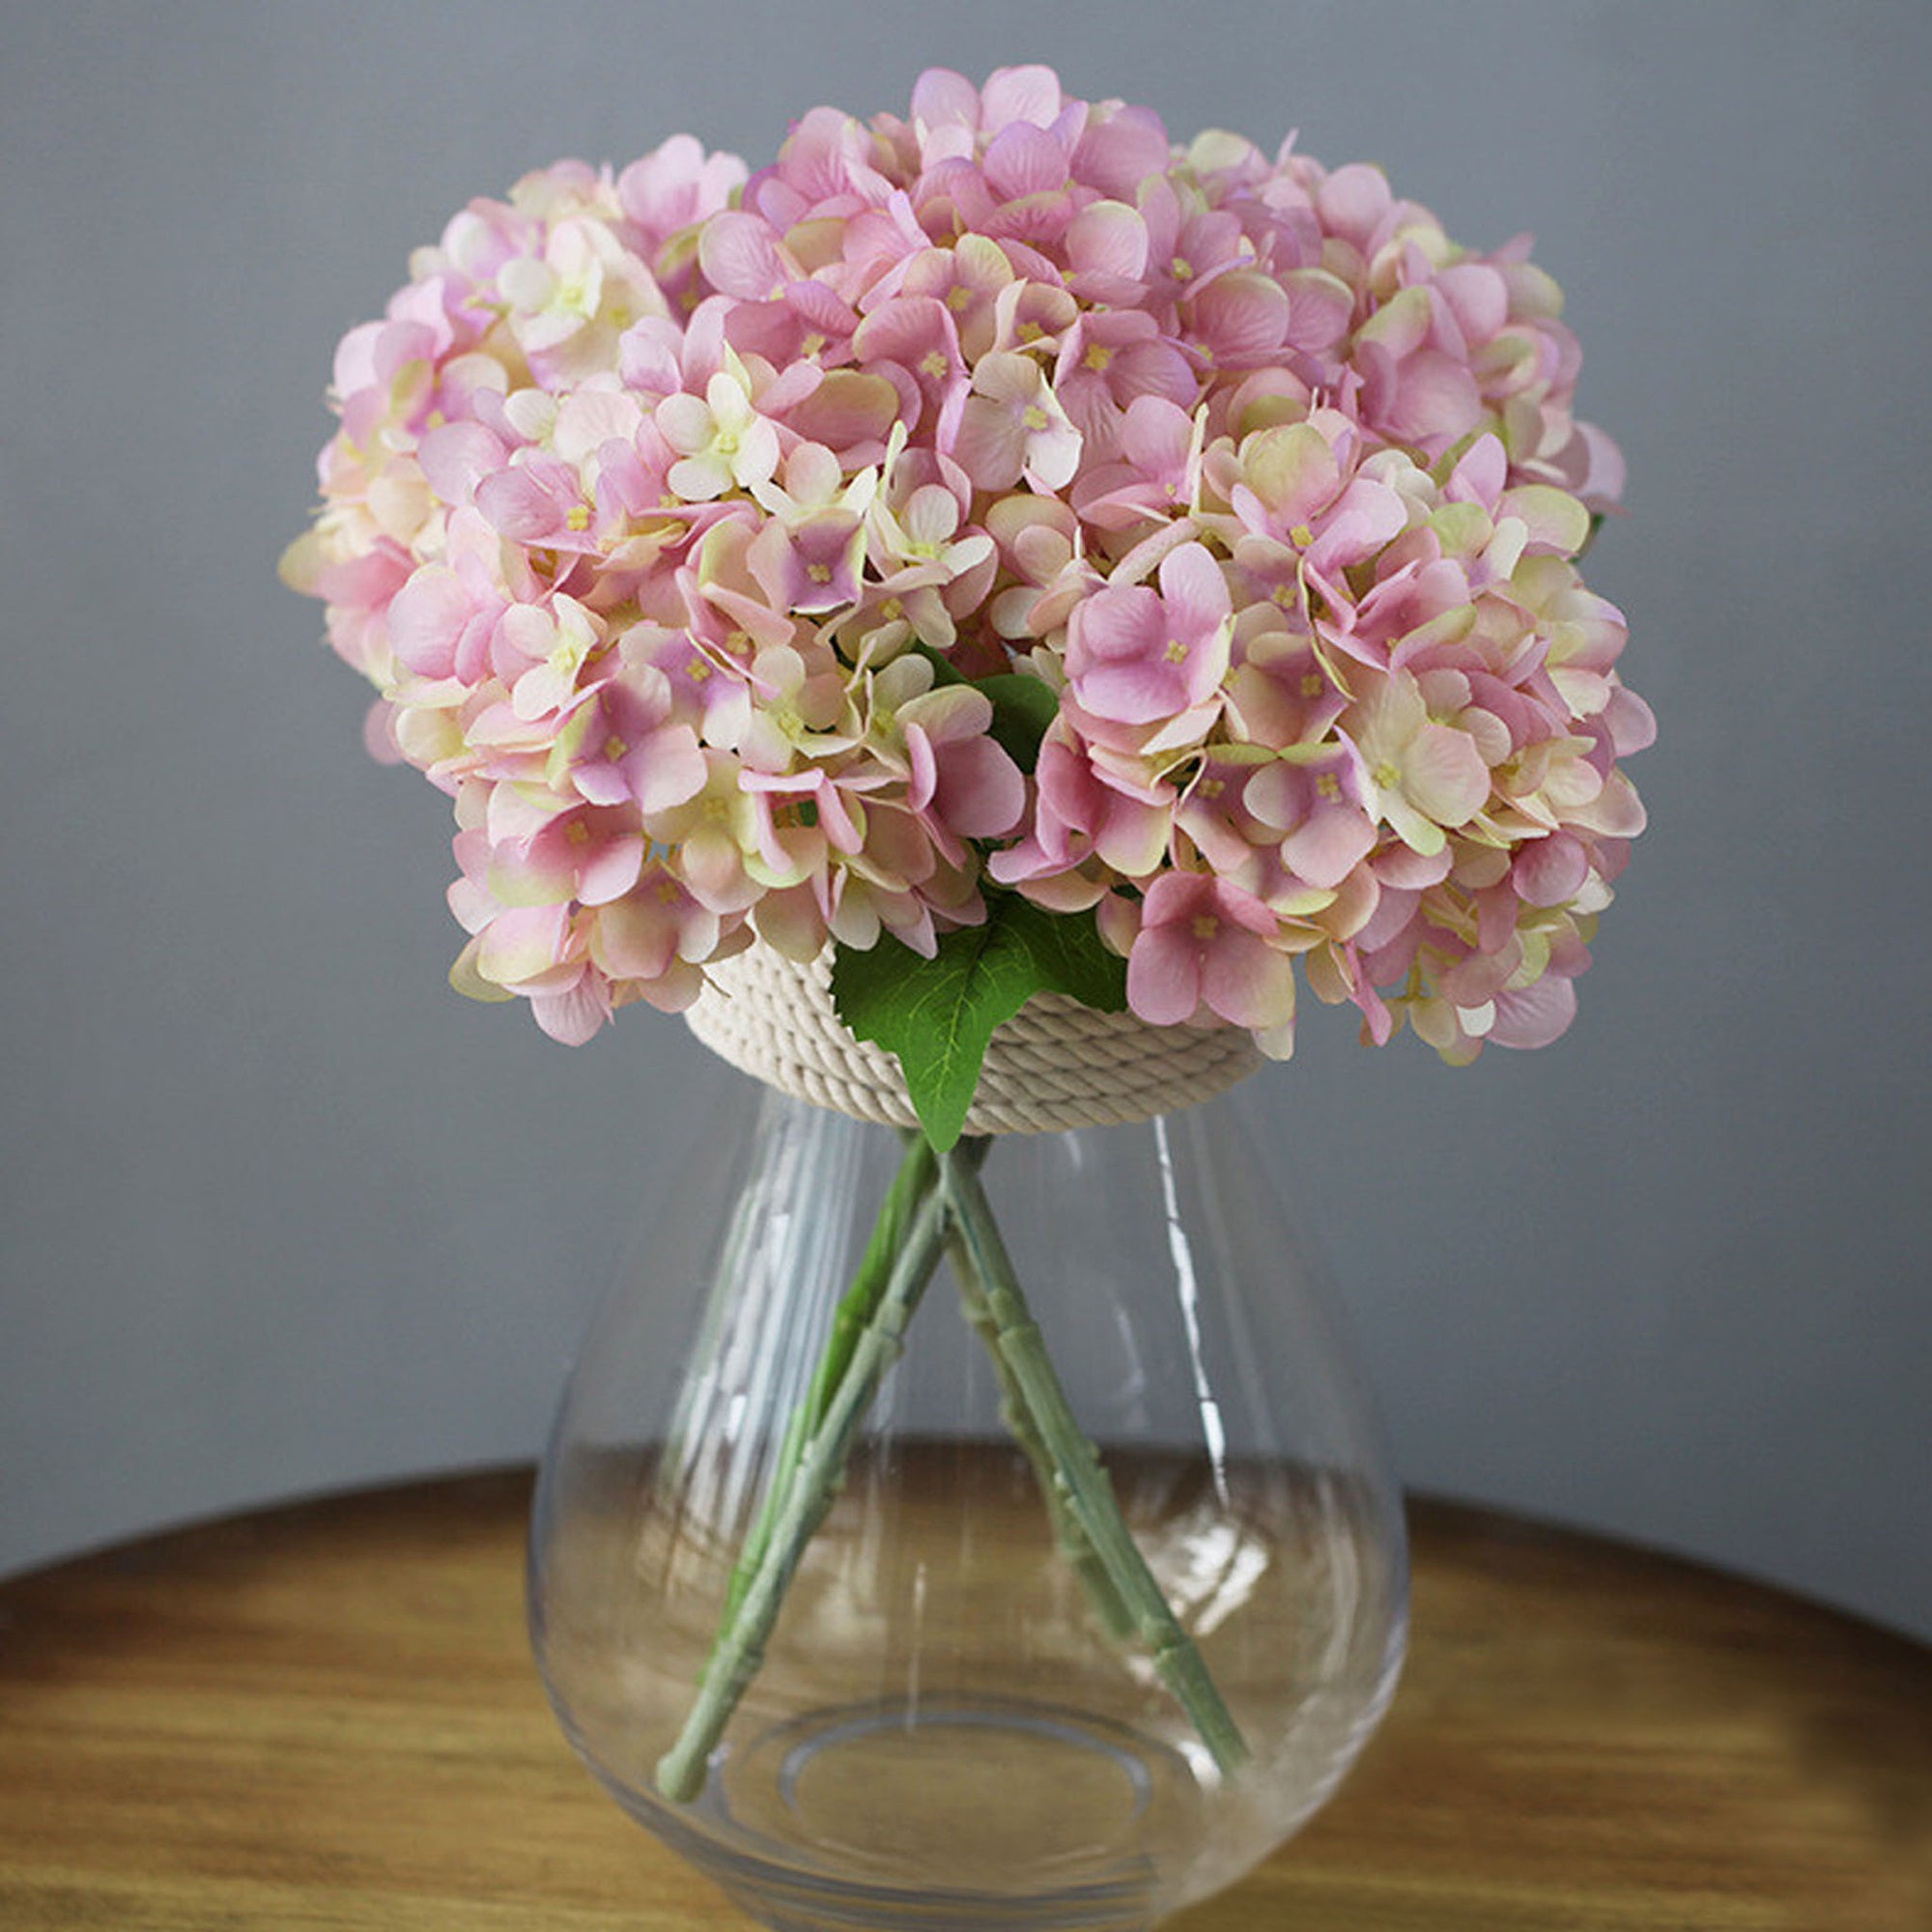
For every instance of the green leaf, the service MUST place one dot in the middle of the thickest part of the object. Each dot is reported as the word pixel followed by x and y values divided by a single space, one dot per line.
pixel 937 1015
pixel 1023 706
pixel 1068 954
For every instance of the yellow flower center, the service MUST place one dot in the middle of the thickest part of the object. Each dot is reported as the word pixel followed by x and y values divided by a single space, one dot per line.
pixel 1206 925
pixel 1328 785
pixel 958 298
pixel 934 363
pixel 1387 775
pixel 814 345
pixel 579 833
pixel 1176 651
pixel 1033 417
pixel 578 517
pixel 819 573
pixel 1099 358
pixel 1312 684
pixel 697 671
pixel 1302 536
pixel 1182 267
pixel 615 748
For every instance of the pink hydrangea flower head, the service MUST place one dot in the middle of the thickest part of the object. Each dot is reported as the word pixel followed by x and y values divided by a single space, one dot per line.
pixel 682 517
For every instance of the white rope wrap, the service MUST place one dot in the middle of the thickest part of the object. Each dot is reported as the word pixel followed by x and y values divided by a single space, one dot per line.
pixel 1054 1064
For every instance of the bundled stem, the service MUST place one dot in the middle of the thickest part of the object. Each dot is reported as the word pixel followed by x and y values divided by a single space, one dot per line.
pixel 868 1335
pixel 1115 1618
pixel 1078 1474
pixel 911 1186
pixel 936 1203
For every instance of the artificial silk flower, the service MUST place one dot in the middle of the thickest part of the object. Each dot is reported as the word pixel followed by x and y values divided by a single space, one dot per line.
pixel 997 498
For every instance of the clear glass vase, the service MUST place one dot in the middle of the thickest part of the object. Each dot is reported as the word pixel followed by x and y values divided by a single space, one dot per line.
pixel 990 1690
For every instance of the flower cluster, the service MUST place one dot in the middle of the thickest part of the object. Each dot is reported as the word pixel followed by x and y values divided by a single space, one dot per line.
pixel 681 517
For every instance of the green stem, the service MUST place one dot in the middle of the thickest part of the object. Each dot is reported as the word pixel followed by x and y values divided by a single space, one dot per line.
pixel 1108 1605
pixel 911 1185
pixel 864 1341
pixel 1077 1471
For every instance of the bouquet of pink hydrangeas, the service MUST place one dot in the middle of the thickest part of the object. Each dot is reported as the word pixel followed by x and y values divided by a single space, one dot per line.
pixel 994 534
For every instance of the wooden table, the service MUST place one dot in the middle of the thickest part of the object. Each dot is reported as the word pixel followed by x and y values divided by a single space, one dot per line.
pixel 325 1717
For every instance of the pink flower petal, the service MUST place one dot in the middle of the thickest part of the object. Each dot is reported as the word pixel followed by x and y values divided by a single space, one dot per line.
pixel 1022 93
pixel 1108 238
pixel 1164 976
pixel 1024 160
pixel 1247 981
pixel 1535 1015
pixel 1551 871
pixel 1444 774
pixel 426 620
pixel 980 792
pixel 1194 589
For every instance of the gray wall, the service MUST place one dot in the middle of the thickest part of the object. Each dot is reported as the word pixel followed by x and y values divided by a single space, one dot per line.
pixel 278 1211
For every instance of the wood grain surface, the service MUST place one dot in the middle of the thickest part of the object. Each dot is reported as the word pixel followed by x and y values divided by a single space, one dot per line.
pixel 325 1717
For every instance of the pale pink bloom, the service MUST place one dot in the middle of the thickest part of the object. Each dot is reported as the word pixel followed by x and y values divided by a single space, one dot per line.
pixel 541 651
pixel 798 820
pixel 962 780
pixel 1155 474
pixel 676 185
pixel 711 835
pixel 656 924
pixel 810 566
pixel 1297 486
pixel 1080 812
pixel 1279 691
pixel 1012 426
pixel 722 441
pixel 726 607
pixel 591 855
pixel 567 306
pixel 809 556
pixel 1204 950
pixel 623 745
pixel 918 335
pixel 801 708
pixel 741 255
pixel 1119 148
pixel 1214 817
pixel 442 621
pixel 1189 244
pixel 966 278
pixel 1039 542
pixel 1106 363
pixel 709 692
pixel 1317 798
pixel 539 501
pixel 1423 777
pixel 1137 657
pixel 914 524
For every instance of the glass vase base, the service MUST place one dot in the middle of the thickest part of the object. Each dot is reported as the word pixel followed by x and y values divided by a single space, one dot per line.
pixel 954 1814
